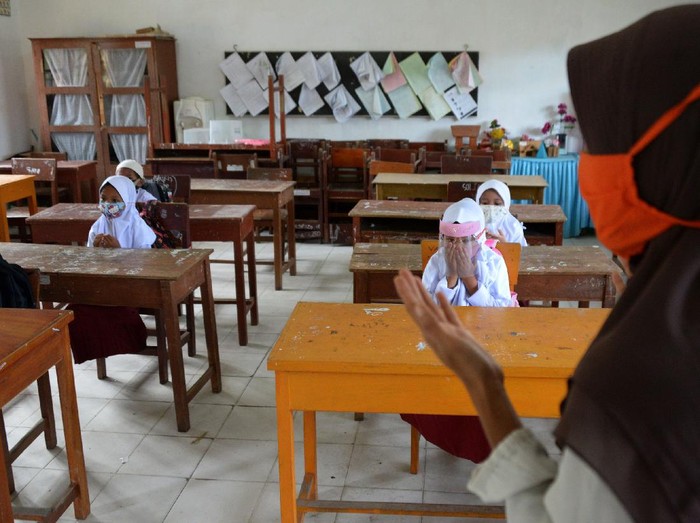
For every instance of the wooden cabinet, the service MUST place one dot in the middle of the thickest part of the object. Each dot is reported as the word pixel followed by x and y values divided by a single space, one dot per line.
pixel 105 99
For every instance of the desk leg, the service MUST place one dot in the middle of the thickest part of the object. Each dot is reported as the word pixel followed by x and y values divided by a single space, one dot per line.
pixel 5 500
pixel 559 233
pixel 310 456
pixel 241 306
pixel 177 366
pixel 4 226
pixel 285 445
pixel 252 279
pixel 291 239
pixel 71 429
pixel 278 244
pixel 210 334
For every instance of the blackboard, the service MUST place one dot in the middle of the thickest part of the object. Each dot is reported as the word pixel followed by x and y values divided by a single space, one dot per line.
pixel 348 78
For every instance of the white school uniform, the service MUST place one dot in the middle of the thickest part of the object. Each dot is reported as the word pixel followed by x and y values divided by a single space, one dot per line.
pixel 511 227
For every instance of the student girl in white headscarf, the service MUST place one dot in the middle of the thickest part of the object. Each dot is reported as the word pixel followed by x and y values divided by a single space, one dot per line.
pixel 494 198
pixel 464 269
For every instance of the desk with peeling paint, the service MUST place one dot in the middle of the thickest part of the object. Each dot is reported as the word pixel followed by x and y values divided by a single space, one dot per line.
pixel 370 358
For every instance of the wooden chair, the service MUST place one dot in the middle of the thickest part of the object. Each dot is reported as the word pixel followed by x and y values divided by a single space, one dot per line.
pixel 461 164
pixel 468 132
pixel 345 182
pixel 389 143
pixel 347 144
pixel 414 156
pixel 48 192
pixel 459 190
pixel 233 166
pixel 433 153
pixel 174 218
pixel 306 162
pixel 263 217
pixel 380 166
pixel 178 186
pixel 47 423
pixel 511 255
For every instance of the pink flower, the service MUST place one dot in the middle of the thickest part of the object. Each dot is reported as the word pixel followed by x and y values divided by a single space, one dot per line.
pixel 546 128
pixel 570 119
pixel 562 108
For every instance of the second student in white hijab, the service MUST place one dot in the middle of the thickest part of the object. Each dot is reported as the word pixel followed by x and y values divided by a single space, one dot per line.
pixel 494 198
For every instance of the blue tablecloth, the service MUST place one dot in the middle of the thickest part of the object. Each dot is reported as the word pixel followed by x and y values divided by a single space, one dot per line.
pixel 561 174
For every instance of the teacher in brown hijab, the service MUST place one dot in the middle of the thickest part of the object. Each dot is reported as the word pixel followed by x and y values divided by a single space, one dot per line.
pixel 630 424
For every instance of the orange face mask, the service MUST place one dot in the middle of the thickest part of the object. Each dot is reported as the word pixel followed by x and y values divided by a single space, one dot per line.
pixel 624 222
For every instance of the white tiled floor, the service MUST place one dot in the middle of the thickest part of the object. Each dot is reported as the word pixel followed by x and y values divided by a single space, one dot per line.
pixel 140 469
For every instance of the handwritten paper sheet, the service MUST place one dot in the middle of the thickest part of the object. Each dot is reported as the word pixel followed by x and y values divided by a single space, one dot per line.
pixel 393 77
pixel 235 70
pixel 309 100
pixel 462 104
pixel 465 73
pixel 233 100
pixel 309 69
pixel 293 77
pixel 434 103
pixel 261 68
pixel 374 101
pixel 416 73
pixel 367 71
pixel 404 101
pixel 342 103
pixel 328 70
pixel 439 73
pixel 253 97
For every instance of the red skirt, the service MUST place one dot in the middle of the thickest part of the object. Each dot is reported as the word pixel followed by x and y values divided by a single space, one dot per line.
pixel 461 436
pixel 99 332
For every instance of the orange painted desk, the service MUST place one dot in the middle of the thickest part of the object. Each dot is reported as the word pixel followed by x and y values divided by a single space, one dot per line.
pixel 31 342
pixel 360 358
pixel 15 187
pixel 434 186
pixel 69 223
pixel 556 273
pixel 264 194
pixel 71 173
pixel 412 221
pixel 148 278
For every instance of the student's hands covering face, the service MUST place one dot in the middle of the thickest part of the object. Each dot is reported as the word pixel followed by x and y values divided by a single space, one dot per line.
pixel 458 261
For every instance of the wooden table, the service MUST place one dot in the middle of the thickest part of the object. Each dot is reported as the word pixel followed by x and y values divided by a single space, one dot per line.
pixel 434 186
pixel 413 221
pixel 355 358
pixel 556 273
pixel 69 223
pixel 148 278
pixel 15 187
pixel 264 194
pixel 193 166
pixel 71 173
pixel 31 342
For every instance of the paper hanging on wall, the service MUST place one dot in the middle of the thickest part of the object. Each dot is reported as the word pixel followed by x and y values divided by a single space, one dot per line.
pixel 404 101
pixel 233 100
pixel 289 103
pixel 416 73
pixel 261 68
pixel 434 103
pixel 328 71
pixel 374 101
pixel 287 66
pixel 439 73
pixel 465 73
pixel 253 97
pixel 309 100
pixel 462 104
pixel 367 71
pixel 393 77
pixel 235 70
pixel 342 103
pixel 309 69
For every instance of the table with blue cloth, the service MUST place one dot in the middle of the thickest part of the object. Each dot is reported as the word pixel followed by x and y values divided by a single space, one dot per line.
pixel 561 173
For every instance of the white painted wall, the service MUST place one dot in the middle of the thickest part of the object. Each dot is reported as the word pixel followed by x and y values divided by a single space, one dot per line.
pixel 522 47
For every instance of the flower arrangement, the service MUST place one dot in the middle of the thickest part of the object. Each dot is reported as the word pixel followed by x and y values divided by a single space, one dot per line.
pixel 566 121
pixel 496 133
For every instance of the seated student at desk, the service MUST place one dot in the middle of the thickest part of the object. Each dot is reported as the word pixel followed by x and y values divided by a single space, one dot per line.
pixel 146 190
pixel 98 332
pixel 501 225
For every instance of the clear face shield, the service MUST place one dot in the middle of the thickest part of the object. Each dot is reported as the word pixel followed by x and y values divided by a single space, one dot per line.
pixel 460 243
pixel 494 215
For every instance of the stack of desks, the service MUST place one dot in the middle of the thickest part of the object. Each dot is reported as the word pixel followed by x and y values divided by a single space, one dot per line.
pixel 144 278
pixel 69 223
pixel 412 221
pixel 557 273
pixel 434 186
pixel 71 173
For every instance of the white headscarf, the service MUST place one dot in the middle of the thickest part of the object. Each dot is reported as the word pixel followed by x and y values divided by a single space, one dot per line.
pixel 464 211
pixel 129 228
pixel 498 186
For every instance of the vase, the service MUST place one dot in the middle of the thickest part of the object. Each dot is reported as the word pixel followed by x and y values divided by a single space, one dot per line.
pixel 562 142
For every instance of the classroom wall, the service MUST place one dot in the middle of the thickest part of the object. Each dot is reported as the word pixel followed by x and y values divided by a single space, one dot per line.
pixel 522 47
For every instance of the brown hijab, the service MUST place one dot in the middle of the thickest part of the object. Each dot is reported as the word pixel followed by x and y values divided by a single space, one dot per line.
pixel 633 407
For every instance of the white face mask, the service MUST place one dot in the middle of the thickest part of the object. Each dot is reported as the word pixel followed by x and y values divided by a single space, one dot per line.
pixel 494 216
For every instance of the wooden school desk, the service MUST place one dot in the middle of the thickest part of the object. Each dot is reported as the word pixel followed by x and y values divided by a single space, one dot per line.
pixel 15 187
pixel 360 358
pixel 69 223
pixel 434 186
pixel 413 221
pixel 556 273
pixel 264 194
pixel 71 173
pixel 148 278
pixel 31 342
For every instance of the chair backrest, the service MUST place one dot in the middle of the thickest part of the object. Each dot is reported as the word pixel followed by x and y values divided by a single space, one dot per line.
pixel 347 144
pixel 178 186
pixel 498 155
pixel 380 166
pixel 509 251
pixel 351 158
pixel 170 221
pixel 459 164
pixel 459 190
pixel 233 165
pixel 44 171
pixel 304 150
pixel 468 132
pixel 389 143
pixel 429 146
pixel 269 173
pixel 396 155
